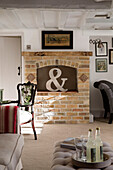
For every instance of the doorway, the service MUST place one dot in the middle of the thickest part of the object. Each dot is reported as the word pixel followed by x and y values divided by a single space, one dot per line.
pixel 10 66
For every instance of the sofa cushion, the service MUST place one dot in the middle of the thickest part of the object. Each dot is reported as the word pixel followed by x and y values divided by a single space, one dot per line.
pixel 11 146
pixel 2 167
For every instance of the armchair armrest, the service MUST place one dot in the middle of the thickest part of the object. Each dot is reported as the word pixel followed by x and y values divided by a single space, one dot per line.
pixel 9 119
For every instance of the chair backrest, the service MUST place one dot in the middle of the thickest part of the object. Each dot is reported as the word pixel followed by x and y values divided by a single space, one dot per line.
pixel 103 85
pixel 109 94
pixel 96 84
pixel 26 94
pixel 9 119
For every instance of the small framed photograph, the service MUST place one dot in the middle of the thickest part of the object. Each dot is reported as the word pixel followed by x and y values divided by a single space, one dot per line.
pixel 101 65
pixel 100 52
pixel 110 56
pixel 112 42
pixel 57 39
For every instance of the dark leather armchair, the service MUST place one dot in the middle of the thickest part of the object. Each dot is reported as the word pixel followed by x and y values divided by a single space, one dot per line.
pixel 106 89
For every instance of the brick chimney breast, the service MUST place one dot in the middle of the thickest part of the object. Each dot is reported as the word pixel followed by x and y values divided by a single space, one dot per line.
pixel 60 107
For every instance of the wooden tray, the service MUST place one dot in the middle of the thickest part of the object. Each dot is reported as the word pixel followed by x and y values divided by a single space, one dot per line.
pixel 96 165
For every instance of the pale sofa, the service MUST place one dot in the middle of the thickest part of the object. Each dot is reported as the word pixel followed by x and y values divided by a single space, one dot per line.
pixel 11 146
pixel 11 141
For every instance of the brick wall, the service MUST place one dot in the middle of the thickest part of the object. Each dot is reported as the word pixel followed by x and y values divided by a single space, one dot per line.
pixel 60 107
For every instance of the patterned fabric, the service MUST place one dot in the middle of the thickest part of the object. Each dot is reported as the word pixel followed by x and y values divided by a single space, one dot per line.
pixel 8 119
pixel 26 94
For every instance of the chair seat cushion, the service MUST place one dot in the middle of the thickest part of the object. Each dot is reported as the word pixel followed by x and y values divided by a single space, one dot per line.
pixel 11 146
pixel 25 116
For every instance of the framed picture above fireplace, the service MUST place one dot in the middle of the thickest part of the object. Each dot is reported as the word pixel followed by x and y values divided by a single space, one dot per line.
pixel 57 39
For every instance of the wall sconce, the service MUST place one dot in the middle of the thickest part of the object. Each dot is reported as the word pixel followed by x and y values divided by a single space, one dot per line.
pixel 98 42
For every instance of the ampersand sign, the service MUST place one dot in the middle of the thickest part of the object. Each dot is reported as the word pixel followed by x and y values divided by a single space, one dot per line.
pixel 53 79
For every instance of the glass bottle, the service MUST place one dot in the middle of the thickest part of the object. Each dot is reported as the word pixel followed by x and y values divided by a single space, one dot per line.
pixel 99 146
pixel 90 147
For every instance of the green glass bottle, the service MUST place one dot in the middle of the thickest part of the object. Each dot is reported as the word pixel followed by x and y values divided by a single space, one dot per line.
pixel 99 146
pixel 90 147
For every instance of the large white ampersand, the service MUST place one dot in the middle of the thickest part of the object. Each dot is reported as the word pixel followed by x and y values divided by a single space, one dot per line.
pixel 54 80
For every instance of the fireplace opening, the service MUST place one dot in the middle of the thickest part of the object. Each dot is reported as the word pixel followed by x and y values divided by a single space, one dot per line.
pixel 57 78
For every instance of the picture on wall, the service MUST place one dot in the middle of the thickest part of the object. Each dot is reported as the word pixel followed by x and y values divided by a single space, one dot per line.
pixel 110 56
pixel 101 65
pixel 57 39
pixel 112 42
pixel 103 51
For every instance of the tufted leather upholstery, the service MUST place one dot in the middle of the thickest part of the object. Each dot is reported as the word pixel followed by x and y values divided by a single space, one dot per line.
pixel 62 158
pixel 106 89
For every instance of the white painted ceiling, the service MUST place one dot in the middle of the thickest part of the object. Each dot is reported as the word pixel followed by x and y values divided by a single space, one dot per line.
pixel 56 14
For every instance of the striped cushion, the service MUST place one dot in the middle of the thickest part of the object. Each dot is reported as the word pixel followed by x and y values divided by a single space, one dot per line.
pixel 8 119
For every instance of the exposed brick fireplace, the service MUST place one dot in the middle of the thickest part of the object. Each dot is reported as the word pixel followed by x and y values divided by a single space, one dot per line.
pixel 60 107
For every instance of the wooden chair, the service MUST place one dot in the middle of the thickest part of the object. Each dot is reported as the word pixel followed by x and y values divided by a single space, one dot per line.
pixel 26 96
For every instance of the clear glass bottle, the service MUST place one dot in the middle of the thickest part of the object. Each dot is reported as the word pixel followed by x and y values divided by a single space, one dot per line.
pixel 90 147
pixel 99 146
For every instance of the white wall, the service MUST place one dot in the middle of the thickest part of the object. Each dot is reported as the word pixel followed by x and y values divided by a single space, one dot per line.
pixel 96 98
pixel 33 37
pixel 80 43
